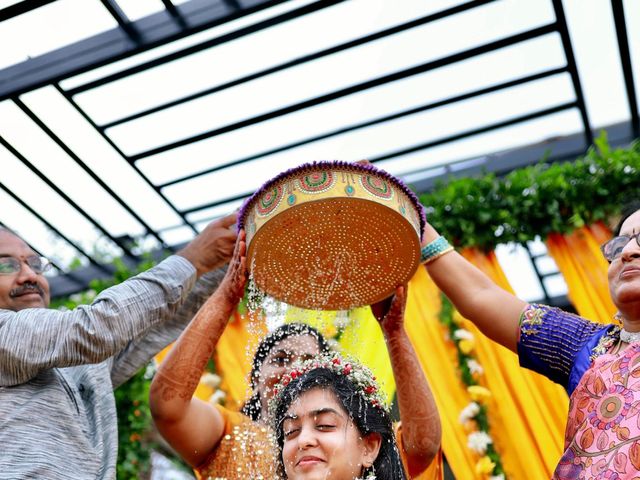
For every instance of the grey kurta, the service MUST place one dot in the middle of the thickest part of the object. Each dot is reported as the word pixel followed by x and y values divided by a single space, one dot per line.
pixel 58 370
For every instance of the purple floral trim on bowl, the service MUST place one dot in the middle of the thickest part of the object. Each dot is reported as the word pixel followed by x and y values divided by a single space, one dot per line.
pixel 326 164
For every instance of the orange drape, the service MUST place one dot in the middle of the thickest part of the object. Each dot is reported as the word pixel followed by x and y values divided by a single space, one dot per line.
pixel 532 409
pixel 584 270
pixel 437 358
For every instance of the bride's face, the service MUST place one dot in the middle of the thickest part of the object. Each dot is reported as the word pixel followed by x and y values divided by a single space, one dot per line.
pixel 321 442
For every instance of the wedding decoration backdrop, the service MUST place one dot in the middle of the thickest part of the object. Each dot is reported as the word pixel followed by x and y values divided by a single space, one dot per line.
pixel 499 421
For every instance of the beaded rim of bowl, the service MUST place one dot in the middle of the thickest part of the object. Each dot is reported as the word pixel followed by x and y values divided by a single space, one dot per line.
pixel 333 164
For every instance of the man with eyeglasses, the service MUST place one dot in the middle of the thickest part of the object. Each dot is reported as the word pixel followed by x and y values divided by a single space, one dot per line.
pixel 58 369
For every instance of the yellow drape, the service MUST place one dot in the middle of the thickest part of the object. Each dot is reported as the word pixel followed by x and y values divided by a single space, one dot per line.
pixel 584 270
pixel 437 358
pixel 361 339
pixel 527 412
pixel 532 409
pixel 234 355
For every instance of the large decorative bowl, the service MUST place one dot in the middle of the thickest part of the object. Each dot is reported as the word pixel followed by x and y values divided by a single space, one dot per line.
pixel 332 235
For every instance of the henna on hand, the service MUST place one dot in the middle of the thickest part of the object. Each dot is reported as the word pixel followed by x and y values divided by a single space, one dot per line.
pixel 180 372
pixel 418 412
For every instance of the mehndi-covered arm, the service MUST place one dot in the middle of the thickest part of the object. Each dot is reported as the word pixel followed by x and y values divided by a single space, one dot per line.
pixel 421 429
pixel 193 427
pixel 139 352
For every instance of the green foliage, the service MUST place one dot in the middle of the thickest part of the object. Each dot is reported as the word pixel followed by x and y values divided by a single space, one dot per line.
pixel 134 422
pixel 536 200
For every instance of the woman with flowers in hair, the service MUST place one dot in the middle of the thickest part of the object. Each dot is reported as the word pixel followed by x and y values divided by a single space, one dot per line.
pixel 331 422
pixel 225 445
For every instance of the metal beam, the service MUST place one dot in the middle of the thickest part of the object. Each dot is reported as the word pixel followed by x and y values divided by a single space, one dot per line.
pixel 55 230
pixel 627 67
pixel 235 4
pixel 121 153
pixel 59 191
pixel 476 131
pixel 89 172
pixel 422 146
pixel 557 150
pixel 22 7
pixel 370 123
pixel 294 62
pixel 125 24
pixel 155 30
pixel 285 17
pixel 175 14
pixel 573 68
pixel 375 82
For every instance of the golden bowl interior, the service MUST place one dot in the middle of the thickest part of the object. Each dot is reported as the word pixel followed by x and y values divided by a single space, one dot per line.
pixel 334 253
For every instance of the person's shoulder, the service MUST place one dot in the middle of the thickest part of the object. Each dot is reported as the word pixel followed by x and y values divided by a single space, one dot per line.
pixel 536 315
pixel 233 418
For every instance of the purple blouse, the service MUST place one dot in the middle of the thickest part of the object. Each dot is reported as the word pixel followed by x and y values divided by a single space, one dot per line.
pixel 560 345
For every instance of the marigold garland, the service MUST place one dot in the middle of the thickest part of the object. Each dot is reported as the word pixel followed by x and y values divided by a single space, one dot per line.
pixel 474 417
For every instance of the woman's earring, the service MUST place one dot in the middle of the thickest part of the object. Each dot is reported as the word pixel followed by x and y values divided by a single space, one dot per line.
pixel 618 317
pixel 372 474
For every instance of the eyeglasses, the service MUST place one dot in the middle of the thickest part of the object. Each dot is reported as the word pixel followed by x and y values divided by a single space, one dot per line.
pixel 11 265
pixel 613 248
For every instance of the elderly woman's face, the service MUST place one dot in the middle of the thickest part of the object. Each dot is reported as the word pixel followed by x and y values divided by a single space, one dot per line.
pixel 624 271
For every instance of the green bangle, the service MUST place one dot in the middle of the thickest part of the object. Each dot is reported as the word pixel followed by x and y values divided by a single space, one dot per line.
pixel 434 249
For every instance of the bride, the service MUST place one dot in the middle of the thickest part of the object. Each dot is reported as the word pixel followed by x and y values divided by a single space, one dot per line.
pixel 331 423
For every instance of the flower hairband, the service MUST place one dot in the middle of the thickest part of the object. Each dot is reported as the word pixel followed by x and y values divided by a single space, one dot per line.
pixel 362 378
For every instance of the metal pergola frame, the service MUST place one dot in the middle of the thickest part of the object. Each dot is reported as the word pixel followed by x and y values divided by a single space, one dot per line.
pixel 176 22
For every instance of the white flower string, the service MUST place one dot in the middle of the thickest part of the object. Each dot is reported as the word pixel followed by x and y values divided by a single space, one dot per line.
pixel 479 441
pixel 473 417
pixel 469 412
pixel 474 367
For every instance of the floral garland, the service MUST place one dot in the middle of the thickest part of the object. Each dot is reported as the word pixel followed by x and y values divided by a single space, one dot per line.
pixel 357 373
pixel 213 381
pixel 474 417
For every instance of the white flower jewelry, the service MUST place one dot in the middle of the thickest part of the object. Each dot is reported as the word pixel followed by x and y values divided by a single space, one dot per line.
pixel 479 441
pixel 210 380
pixel 217 397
